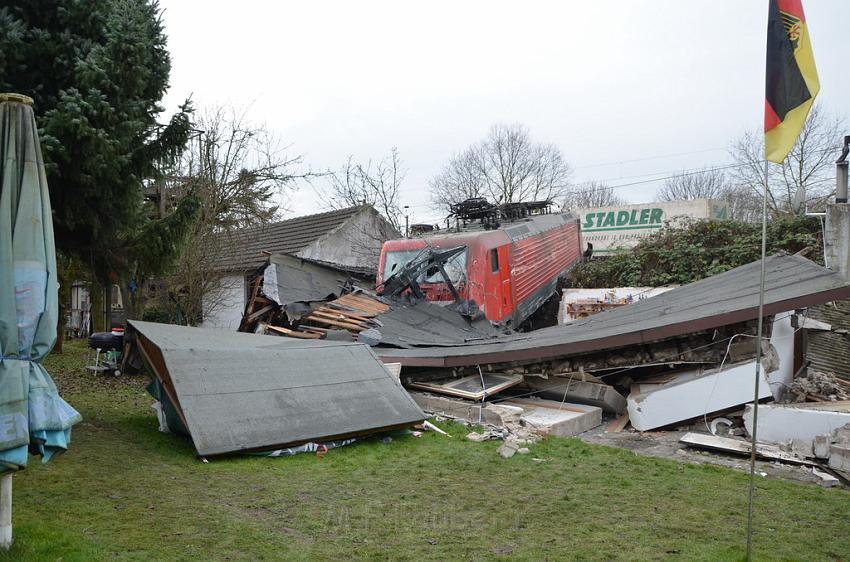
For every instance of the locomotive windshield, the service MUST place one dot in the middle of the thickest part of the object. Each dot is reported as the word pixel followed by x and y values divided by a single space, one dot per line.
pixel 455 267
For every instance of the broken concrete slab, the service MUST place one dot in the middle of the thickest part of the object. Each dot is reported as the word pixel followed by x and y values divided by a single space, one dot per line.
pixel 493 414
pixel 577 391
pixel 820 446
pixel 740 447
pixel 839 457
pixel 547 417
pixel 695 393
pixel 826 480
pixel 781 423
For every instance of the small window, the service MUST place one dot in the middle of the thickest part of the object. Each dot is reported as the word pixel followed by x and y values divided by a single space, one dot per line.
pixel 494 260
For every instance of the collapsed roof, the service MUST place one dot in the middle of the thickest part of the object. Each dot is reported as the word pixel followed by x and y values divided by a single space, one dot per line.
pixel 244 392
pixel 791 282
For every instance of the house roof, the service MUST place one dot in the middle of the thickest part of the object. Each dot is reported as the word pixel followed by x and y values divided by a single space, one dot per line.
pixel 829 351
pixel 243 249
pixel 791 282
pixel 241 392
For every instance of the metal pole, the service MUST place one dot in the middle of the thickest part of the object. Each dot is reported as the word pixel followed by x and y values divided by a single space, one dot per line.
pixel 406 221
pixel 841 182
pixel 6 511
pixel 758 369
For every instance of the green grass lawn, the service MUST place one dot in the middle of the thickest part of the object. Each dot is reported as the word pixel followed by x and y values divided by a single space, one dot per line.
pixel 125 491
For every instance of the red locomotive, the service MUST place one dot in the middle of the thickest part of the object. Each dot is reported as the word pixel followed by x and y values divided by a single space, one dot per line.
pixel 510 262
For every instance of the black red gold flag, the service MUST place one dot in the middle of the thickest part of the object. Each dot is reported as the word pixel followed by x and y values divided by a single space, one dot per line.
pixel 791 78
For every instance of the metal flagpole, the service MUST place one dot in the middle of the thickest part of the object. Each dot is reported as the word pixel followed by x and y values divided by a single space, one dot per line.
pixel 758 369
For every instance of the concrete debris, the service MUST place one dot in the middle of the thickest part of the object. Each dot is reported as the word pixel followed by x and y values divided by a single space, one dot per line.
pixel 802 448
pixel 839 457
pixel 820 446
pixel 547 417
pixel 523 450
pixel 741 447
pixel 781 423
pixel 695 393
pixel 568 389
pixel 478 437
pixel 826 480
pixel 475 412
pixel 818 386
pixel 507 449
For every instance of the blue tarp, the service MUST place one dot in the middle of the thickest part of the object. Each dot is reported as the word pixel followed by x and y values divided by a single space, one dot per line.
pixel 32 414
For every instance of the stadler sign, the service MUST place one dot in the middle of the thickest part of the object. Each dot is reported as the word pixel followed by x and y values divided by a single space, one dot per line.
pixel 611 229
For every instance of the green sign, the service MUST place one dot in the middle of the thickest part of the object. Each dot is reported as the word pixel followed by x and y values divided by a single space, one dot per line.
pixel 622 220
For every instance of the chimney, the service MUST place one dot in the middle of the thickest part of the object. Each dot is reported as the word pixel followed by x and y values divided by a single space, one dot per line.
pixel 837 243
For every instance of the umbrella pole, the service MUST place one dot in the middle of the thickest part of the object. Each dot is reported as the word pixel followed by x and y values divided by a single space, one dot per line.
pixel 6 511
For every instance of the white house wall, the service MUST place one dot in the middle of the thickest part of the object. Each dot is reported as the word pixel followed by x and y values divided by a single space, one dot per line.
pixel 356 243
pixel 224 309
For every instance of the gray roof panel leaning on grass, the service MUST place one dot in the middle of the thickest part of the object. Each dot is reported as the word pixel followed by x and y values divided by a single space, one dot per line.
pixel 240 392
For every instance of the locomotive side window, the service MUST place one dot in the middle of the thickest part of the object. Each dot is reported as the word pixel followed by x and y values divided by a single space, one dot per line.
pixel 494 260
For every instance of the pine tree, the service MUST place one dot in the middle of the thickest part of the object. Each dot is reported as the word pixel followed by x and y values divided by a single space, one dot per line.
pixel 97 71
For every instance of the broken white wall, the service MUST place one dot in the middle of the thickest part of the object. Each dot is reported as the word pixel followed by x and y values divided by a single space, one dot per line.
pixel 223 308
pixel 782 339
pixel 693 394
pixel 357 242
pixel 778 424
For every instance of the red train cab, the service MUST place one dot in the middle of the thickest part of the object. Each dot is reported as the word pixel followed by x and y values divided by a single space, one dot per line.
pixel 509 269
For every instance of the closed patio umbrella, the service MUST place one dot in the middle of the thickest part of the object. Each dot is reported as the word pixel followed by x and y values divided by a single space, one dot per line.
pixel 33 417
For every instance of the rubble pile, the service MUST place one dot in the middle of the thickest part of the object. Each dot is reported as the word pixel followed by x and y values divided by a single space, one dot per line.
pixel 819 387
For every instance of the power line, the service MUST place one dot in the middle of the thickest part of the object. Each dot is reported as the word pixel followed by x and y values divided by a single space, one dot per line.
pixel 618 162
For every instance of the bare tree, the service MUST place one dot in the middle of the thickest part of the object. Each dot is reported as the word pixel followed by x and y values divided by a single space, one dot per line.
pixel 242 175
pixel 373 184
pixel 743 204
pixel 808 165
pixel 591 194
pixel 708 183
pixel 506 167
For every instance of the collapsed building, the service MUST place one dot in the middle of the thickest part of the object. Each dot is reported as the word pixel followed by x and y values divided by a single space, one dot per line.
pixel 682 358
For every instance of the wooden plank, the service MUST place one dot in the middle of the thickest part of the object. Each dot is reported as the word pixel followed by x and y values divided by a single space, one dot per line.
pixel 618 425
pixel 352 327
pixel 292 333
pixel 348 313
pixel 349 310
pixel 363 303
pixel 256 315
pixel 339 317
pixel 316 329
pixel 449 388
pixel 394 368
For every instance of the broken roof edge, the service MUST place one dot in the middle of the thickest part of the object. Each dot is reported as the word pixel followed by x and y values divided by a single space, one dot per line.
pixel 533 354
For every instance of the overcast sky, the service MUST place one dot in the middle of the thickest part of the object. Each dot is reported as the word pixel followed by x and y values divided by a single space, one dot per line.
pixel 629 90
